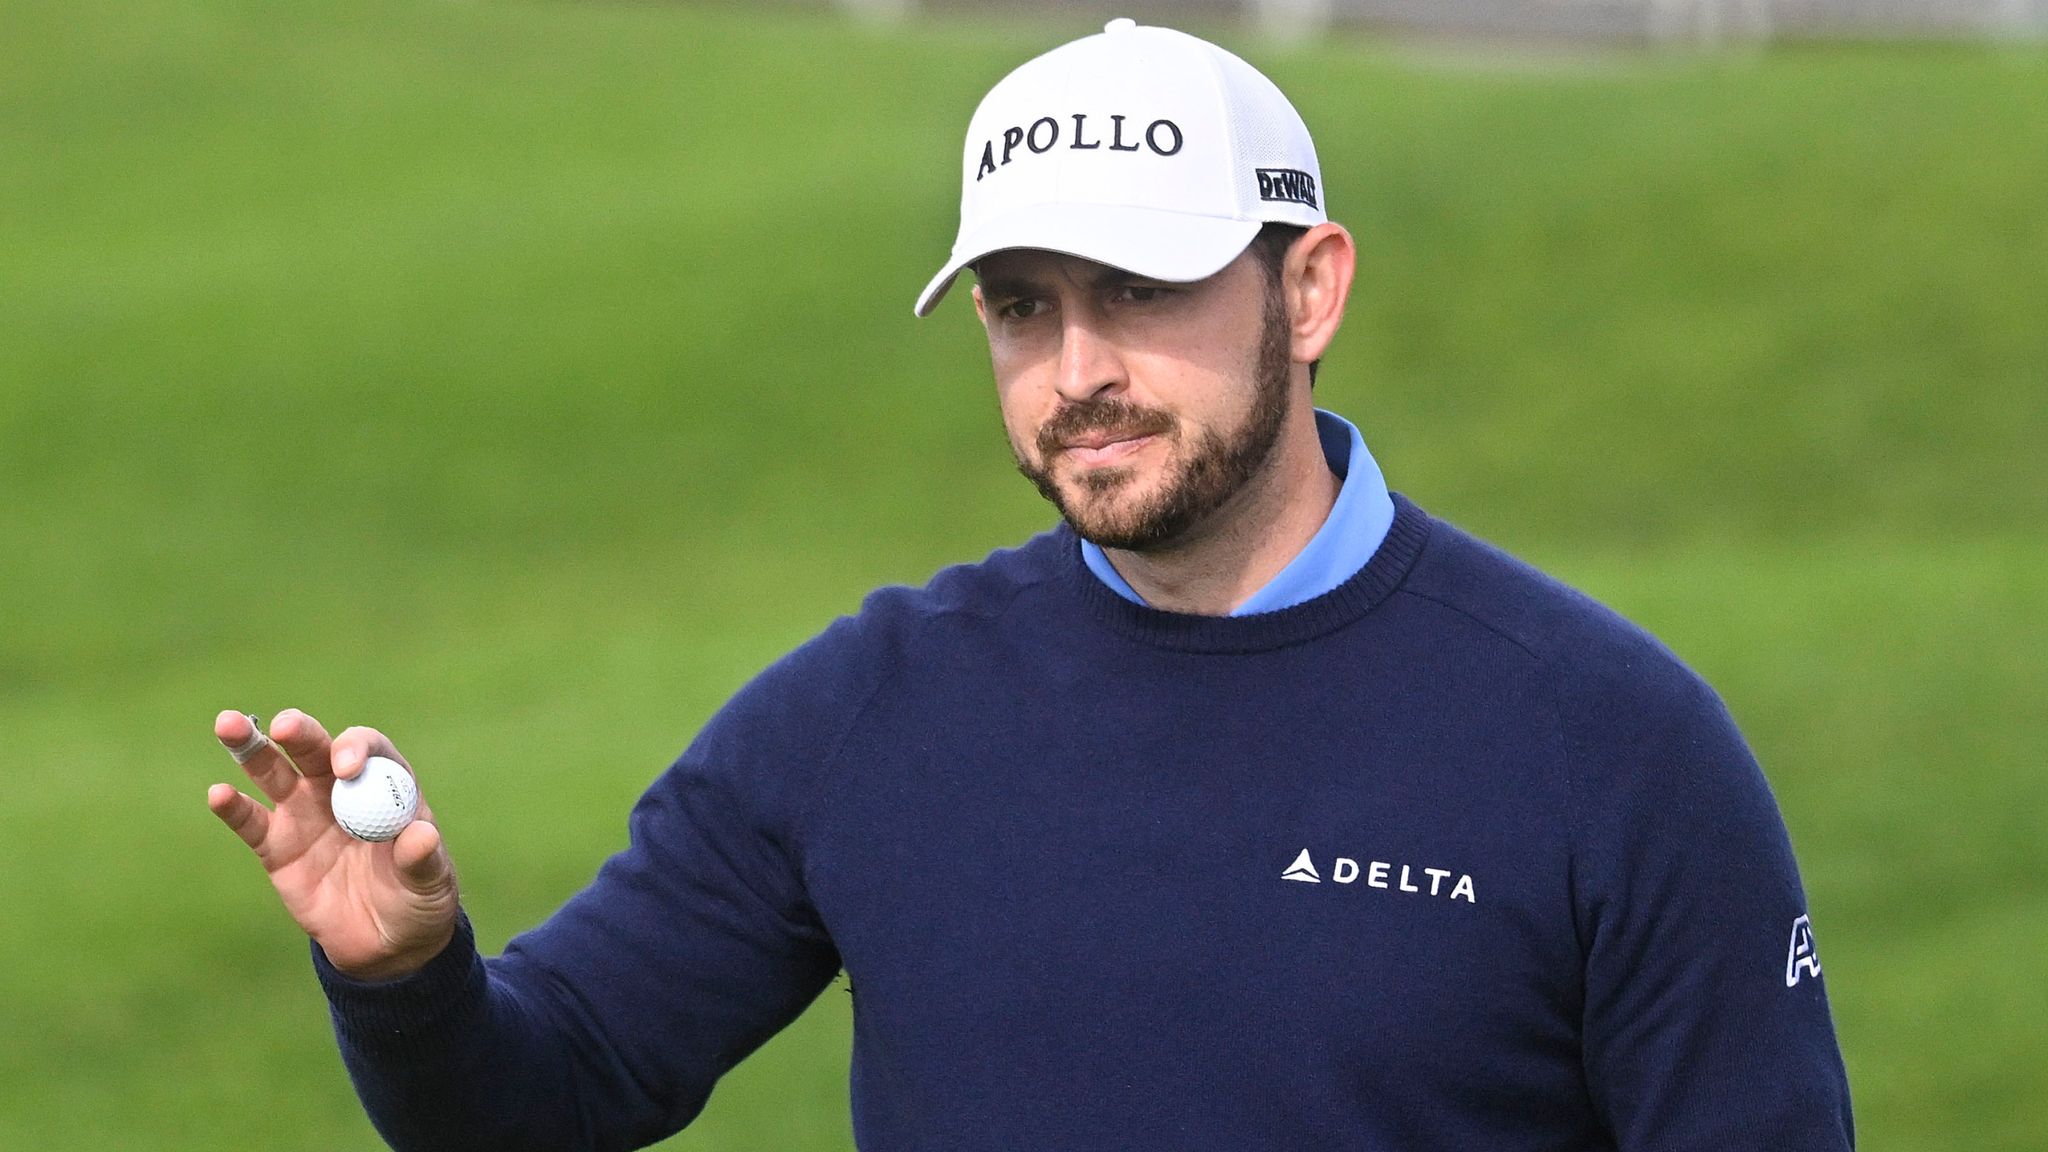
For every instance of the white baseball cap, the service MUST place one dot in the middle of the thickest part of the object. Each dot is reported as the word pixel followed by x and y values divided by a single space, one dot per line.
pixel 1141 148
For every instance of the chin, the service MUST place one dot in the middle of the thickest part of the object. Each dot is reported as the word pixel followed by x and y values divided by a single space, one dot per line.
pixel 1114 484
pixel 1114 491
pixel 1108 506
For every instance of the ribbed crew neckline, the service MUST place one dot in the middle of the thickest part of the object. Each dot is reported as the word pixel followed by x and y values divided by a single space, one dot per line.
pixel 1187 632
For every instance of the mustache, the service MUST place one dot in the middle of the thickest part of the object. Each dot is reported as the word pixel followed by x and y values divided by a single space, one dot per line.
pixel 1110 416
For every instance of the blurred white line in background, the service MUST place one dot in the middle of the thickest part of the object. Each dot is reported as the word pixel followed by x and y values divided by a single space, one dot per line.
pixel 1292 20
pixel 879 11
pixel 1709 21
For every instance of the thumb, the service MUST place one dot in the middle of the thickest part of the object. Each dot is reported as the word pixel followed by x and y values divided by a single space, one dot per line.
pixel 422 862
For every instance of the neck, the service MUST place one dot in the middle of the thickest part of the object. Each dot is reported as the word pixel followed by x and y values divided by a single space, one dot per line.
pixel 1221 562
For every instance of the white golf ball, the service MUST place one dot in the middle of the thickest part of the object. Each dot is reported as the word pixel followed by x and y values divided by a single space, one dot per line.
pixel 377 802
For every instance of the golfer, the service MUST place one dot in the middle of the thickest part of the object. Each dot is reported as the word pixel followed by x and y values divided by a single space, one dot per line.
pixel 1249 808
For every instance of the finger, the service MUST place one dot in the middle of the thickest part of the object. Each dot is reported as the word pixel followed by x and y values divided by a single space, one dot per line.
pixel 358 744
pixel 247 818
pixel 240 732
pixel 421 858
pixel 263 760
pixel 305 741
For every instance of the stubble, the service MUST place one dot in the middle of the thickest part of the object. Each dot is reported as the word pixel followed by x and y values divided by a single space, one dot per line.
pixel 1205 475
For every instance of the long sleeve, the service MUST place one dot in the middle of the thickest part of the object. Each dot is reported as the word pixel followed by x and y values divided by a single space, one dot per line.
pixel 1706 1020
pixel 607 1026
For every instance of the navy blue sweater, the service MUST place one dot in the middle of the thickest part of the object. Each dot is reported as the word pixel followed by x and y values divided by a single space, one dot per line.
pixel 1450 857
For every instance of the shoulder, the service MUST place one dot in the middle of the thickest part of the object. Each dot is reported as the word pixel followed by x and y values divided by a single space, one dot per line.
pixel 1603 668
pixel 828 679
pixel 770 743
pixel 1645 739
pixel 983 591
pixel 896 619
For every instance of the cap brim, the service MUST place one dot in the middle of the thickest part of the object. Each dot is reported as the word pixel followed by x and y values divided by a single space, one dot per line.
pixel 1171 246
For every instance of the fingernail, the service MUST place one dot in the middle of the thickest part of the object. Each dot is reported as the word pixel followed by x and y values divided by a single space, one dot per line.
pixel 247 748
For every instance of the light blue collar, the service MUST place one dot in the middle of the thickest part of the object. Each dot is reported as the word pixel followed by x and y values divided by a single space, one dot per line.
pixel 1358 521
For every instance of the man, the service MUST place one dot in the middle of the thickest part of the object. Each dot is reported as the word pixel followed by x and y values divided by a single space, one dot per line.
pixel 1249 808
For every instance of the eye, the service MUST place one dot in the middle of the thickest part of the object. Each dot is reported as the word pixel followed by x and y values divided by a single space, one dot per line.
pixel 1142 293
pixel 1023 309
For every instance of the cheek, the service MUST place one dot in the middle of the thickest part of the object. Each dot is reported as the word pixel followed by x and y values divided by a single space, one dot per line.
pixel 1027 390
pixel 1021 416
pixel 1208 379
pixel 1019 374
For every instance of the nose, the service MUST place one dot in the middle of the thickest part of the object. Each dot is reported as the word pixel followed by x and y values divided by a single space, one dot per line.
pixel 1090 363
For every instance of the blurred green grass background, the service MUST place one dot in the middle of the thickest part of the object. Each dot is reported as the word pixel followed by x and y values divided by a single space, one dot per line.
pixel 520 378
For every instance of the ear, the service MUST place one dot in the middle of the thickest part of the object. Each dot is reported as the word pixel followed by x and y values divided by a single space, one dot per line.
pixel 980 309
pixel 1317 281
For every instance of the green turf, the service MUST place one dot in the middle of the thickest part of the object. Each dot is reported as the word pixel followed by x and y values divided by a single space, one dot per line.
pixel 520 378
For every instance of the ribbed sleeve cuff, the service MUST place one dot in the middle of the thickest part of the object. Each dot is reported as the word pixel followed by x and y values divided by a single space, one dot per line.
pixel 412 1014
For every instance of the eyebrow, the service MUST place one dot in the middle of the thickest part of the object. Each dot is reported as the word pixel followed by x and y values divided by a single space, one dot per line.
pixel 1006 286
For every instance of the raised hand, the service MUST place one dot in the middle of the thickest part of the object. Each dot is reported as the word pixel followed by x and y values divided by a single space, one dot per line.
pixel 379 911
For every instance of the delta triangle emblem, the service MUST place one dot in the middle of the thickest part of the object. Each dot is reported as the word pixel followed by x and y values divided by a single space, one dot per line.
pixel 1303 869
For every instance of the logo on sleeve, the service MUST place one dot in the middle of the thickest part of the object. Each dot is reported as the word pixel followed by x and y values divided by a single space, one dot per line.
pixel 1290 184
pixel 1800 959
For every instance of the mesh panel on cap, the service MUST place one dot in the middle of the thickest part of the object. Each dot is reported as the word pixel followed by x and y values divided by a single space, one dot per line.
pixel 1263 134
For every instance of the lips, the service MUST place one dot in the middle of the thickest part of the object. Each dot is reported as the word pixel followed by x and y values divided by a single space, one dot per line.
pixel 1101 431
pixel 1101 439
pixel 1100 448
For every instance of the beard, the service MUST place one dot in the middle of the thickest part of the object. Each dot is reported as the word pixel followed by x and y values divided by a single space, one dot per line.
pixel 1199 480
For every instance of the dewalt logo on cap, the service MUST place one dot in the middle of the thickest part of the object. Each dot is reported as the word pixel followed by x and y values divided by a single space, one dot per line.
pixel 1288 184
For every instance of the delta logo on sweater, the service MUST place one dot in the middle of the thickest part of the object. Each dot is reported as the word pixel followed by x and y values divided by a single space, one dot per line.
pixel 1382 874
